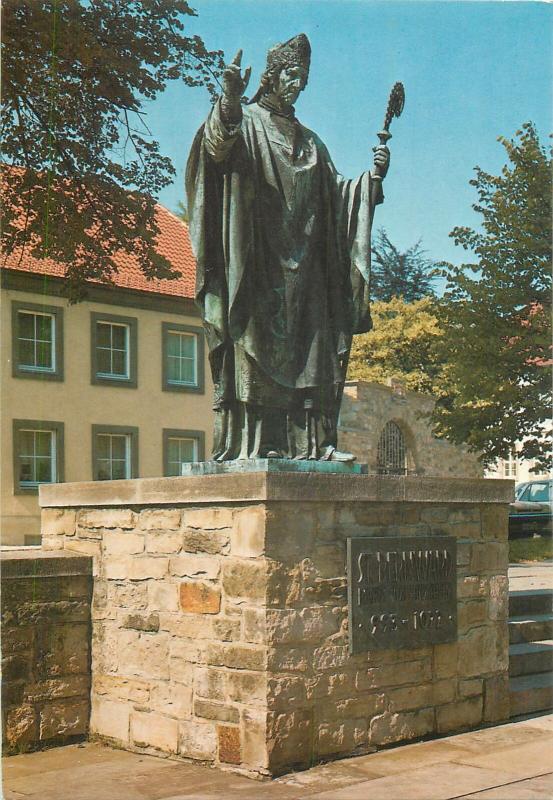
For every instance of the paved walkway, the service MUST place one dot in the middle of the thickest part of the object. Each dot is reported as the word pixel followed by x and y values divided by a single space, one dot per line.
pixel 509 762
pixel 532 575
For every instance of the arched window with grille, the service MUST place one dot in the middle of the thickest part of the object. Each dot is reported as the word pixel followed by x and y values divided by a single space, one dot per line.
pixel 391 457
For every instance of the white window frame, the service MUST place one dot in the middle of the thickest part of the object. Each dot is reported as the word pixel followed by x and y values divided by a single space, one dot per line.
pixel 34 458
pixel 181 358
pixel 30 367
pixel 116 376
pixel 510 466
pixel 180 439
pixel 110 461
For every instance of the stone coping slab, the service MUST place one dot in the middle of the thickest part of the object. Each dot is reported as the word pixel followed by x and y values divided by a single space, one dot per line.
pixel 272 465
pixel 266 485
pixel 20 563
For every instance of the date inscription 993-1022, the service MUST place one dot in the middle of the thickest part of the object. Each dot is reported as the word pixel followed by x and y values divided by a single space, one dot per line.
pixel 402 592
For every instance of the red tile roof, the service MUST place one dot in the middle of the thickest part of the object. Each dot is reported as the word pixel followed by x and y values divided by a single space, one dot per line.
pixel 173 243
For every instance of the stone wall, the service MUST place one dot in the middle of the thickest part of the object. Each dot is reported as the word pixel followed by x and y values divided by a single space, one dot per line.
pixel 220 614
pixel 45 648
pixel 367 407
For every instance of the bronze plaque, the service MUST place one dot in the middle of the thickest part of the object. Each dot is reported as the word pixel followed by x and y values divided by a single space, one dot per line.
pixel 402 591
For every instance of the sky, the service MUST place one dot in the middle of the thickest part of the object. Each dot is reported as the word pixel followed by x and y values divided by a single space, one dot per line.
pixel 472 71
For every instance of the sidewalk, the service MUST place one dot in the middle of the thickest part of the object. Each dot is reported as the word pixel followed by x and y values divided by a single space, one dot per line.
pixel 509 762
pixel 532 575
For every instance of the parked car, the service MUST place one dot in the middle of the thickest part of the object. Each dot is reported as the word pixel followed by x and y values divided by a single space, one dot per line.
pixel 531 513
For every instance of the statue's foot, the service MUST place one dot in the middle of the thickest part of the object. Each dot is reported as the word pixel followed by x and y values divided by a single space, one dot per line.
pixel 274 454
pixel 331 454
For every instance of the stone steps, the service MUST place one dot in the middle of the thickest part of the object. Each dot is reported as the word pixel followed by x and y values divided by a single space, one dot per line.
pixel 530 657
pixel 531 651
pixel 530 628
pixel 530 693
pixel 532 601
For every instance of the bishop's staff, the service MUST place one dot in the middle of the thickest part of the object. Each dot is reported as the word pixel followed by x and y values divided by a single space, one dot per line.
pixel 396 102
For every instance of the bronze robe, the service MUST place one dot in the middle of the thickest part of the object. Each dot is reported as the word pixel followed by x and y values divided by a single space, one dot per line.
pixel 282 244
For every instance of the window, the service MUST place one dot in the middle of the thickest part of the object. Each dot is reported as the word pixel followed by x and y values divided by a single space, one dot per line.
pixel 510 466
pixel 38 454
pixel 37 341
pixel 114 452
pixel 538 493
pixel 114 350
pixel 391 457
pixel 180 447
pixel 183 358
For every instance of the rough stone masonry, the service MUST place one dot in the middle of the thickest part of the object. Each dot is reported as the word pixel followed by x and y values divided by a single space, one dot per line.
pixel 220 613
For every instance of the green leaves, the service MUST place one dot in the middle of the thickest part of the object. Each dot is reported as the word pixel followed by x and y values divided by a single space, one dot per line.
pixel 496 313
pixel 396 274
pixel 84 168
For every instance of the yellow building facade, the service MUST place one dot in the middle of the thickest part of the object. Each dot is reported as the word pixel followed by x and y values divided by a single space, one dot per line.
pixel 115 386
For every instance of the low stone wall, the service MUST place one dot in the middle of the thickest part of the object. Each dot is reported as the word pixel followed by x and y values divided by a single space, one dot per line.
pixel 46 633
pixel 220 614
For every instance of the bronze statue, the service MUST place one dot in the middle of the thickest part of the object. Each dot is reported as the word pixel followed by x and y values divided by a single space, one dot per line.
pixel 282 243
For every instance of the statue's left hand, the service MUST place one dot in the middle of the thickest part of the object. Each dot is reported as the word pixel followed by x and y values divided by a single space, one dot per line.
pixel 381 160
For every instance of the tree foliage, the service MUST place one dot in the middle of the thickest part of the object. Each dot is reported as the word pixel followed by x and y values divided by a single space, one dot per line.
pixel 496 312
pixel 82 168
pixel 395 274
pixel 401 345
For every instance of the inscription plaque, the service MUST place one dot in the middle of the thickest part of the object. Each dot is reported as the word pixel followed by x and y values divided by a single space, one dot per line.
pixel 402 591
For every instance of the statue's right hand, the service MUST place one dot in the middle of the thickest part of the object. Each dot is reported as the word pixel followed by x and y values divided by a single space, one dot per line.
pixel 234 83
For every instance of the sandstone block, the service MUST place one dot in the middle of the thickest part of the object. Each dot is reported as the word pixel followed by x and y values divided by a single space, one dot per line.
pixel 489 556
pixel 248 535
pixel 21 729
pixel 243 578
pixel 362 706
pixel 198 597
pixel 443 692
pixel 154 730
pixel 308 625
pixel 117 568
pixel 195 566
pixel 198 740
pixel 119 543
pixel 85 548
pixel 163 596
pixel 445 660
pixel 236 656
pixel 389 727
pixel 63 649
pixel 472 586
pixel 478 652
pixel 128 689
pixel 495 522
pixel 64 718
pixel 254 731
pixel 464 514
pixel 498 600
pixel 212 542
pixel 472 687
pixel 226 629
pixel 110 718
pixel 107 518
pixel 144 655
pixel 126 594
pixel 58 522
pixel 255 629
pixel 229 744
pixel 56 688
pixel 210 683
pixel 284 658
pixel 145 567
pixel 208 519
pixel 289 737
pixel 463 714
pixel 161 519
pixel 142 622
pixel 171 699
pixel 471 614
pixel 496 698
pixel 163 542
pixel 246 687
pixel 416 672
pixel 327 657
pixel 411 697
pixel 218 711
pixel 287 691
pixel 334 738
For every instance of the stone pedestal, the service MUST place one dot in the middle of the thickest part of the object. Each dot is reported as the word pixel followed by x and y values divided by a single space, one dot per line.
pixel 220 613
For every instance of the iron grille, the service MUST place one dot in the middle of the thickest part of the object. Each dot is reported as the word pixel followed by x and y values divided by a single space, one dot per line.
pixel 391 457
